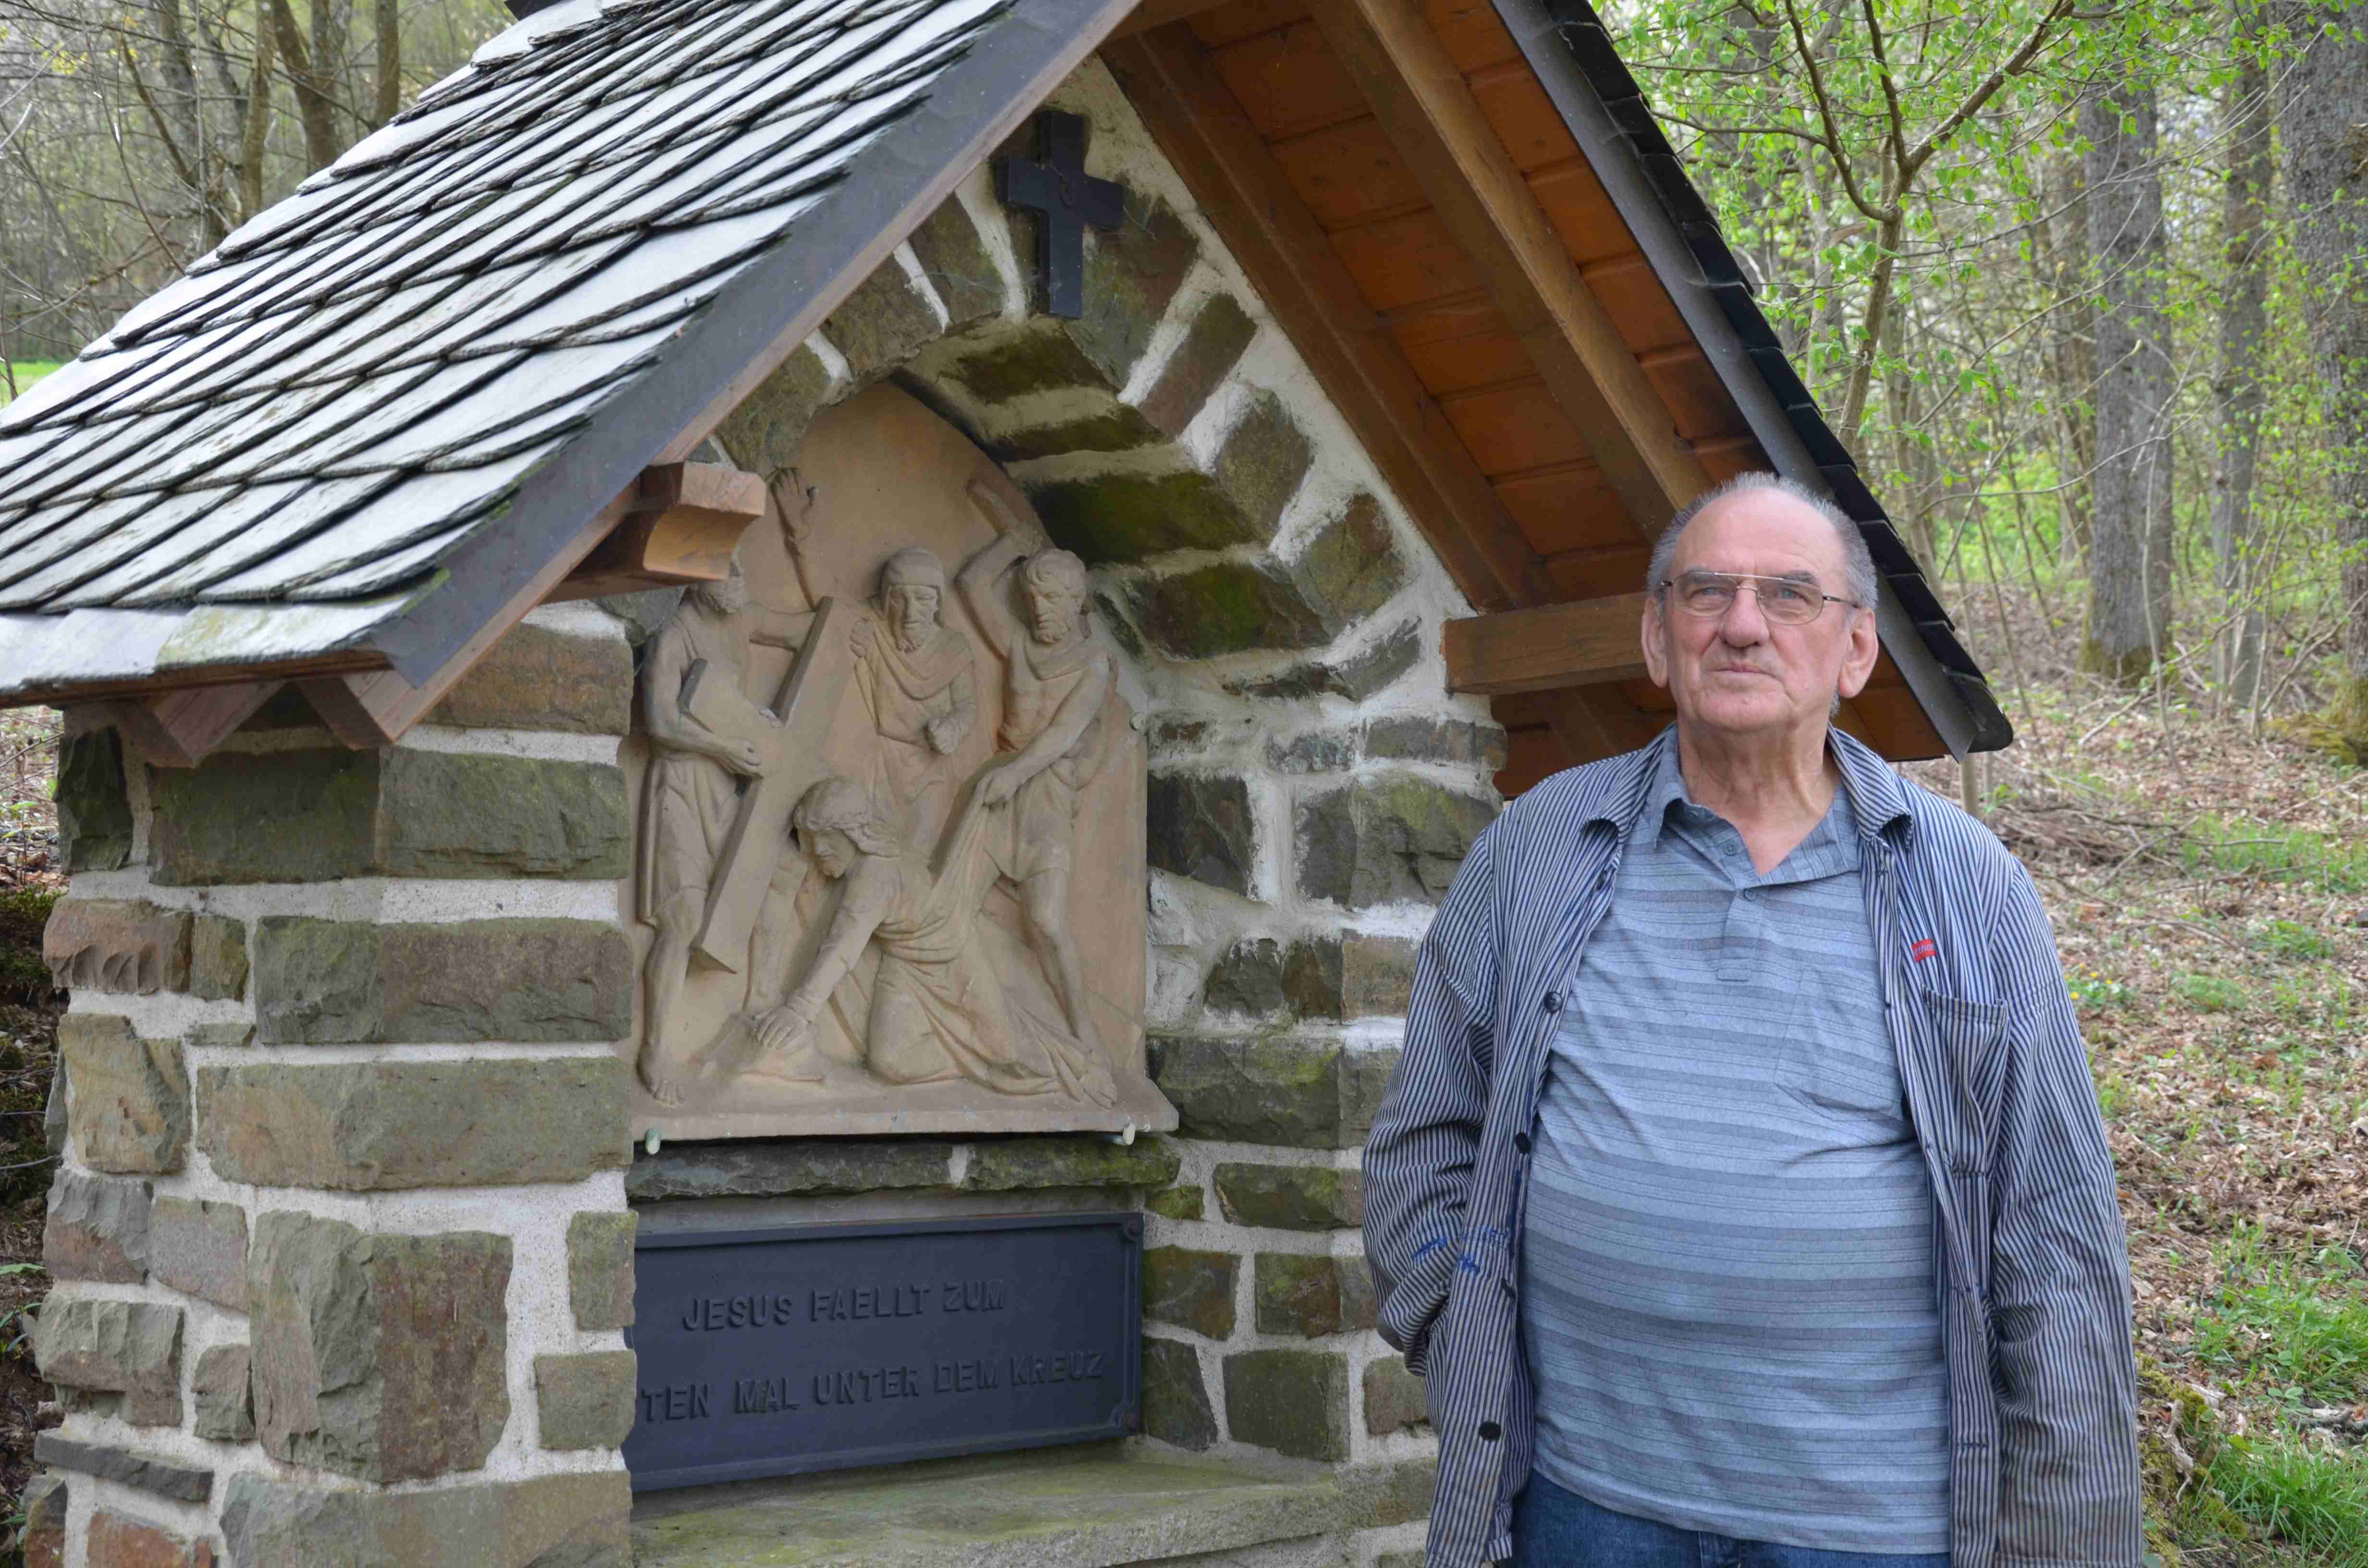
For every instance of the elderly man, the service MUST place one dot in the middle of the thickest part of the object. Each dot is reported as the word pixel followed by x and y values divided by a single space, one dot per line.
pixel 1741 1191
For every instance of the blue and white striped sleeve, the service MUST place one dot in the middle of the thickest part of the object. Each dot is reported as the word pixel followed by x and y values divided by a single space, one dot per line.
pixel 1419 1159
pixel 2059 1284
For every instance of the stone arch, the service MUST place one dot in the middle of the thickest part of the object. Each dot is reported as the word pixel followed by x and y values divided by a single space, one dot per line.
pixel 1149 434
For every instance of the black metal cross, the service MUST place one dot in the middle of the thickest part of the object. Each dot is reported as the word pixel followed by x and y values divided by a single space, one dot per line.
pixel 1054 184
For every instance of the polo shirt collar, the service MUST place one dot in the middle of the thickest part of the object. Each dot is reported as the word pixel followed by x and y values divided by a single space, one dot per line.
pixel 1878 797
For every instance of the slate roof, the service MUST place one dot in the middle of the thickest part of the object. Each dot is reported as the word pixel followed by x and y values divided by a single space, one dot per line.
pixel 288 450
pixel 1606 109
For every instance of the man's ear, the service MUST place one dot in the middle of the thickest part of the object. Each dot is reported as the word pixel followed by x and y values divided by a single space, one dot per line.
pixel 1858 659
pixel 1657 659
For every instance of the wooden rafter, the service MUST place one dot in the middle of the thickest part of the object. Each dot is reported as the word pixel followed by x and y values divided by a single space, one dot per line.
pixel 681 527
pixel 1584 643
pixel 176 729
pixel 1454 153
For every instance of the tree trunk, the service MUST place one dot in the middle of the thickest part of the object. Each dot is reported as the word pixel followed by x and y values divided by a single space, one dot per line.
pixel 2071 350
pixel 2237 391
pixel 2323 124
pixel 315 107
pixel 2129 555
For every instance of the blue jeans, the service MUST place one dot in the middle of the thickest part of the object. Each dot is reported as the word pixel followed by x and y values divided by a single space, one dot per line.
pixel 1554 1529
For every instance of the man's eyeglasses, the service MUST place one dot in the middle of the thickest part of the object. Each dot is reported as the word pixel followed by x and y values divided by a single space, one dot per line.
pixel 1788 601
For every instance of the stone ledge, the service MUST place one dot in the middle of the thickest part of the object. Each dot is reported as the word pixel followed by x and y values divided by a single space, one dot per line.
pixel 183 1483
pixel 828 1168
pixel 1023 1511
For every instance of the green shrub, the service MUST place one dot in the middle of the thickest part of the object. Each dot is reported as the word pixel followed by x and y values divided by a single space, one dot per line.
pixel 24 978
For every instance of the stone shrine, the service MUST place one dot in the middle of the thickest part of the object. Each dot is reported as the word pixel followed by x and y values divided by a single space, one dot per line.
pixel 631 682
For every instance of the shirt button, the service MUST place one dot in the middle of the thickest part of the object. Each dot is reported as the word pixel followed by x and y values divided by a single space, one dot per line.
pixel 1521 1142
pixel 1553 1004
pixel 1751 895
pixel 1490 1431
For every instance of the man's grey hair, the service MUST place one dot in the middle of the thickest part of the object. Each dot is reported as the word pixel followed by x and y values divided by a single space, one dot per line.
pixel 1858 564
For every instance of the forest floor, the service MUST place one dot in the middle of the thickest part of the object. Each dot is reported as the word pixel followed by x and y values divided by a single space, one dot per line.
pixel 2210 894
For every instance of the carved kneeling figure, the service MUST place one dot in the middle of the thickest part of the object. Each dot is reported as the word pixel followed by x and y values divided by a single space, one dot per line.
pixel 939 1010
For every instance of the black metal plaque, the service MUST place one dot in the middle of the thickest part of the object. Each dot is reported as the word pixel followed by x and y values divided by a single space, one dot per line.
pixel 821 1346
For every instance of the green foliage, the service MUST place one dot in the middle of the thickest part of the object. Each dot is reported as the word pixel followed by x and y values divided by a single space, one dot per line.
pixel 2316 1500
pixel 2298 1327
pixel 2292 940
pixel 2092 991
pixel 2214 993
pixel 2278 853
pixel 23 913
pixel 24 372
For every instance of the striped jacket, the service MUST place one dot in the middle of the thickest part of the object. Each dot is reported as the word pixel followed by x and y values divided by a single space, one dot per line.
pixel 2033 1262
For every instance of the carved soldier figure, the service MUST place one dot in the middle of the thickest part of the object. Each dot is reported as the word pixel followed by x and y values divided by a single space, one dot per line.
pixel 939 1010
pixel 917 681
pixel 1056 680
pixel 690 792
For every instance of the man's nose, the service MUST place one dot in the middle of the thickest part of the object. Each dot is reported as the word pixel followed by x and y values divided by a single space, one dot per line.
pixel 1743 625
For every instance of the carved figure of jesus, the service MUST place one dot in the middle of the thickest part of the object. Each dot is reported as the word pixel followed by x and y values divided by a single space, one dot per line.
pixel 939 1009
pixel 1056 680
pixel 691 793
pixel 916 679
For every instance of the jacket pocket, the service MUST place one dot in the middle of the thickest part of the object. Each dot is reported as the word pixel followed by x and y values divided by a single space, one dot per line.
pixel 1964 1037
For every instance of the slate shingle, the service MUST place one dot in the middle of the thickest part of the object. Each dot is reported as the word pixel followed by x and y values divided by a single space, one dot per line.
pixel 351 386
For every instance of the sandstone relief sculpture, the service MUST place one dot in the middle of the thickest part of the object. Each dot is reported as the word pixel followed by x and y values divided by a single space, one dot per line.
pixel 891 863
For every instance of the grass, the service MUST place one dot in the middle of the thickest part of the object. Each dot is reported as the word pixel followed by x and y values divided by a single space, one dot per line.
pixel 2213 993
pixel 2278 853
pixel 26 371
pixel 2314 1500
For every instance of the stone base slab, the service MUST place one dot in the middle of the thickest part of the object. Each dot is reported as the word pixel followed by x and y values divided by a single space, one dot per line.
pixel 891 1109
pixel 1101 1511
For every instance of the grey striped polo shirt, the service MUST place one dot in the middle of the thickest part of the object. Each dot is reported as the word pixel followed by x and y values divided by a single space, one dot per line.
pixel 1727 1281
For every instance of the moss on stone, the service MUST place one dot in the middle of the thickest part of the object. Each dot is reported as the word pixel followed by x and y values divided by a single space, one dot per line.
pixel 1353 566
pixel 765 430
pixel 1013 1164
pixel 1040 358
pixel 1231 606
pixel 1119 429
pixel 1178 1203
pixel 94 803
pixel 1129 518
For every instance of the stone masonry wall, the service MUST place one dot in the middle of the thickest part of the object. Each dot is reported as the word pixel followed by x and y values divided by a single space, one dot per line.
pixel 1313 789
pixel 342 1205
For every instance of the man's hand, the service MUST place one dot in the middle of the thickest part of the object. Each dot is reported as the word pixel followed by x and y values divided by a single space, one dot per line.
pixel 794 502
pixel 784 1030
pixel 998 785
pixel 861 634
pixel 743 758
pixel 947 732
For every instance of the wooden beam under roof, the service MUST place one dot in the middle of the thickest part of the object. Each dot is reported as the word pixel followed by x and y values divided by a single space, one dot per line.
pixel 1448 144
pixel 176 729
pixel 680 527
pixel 1585 643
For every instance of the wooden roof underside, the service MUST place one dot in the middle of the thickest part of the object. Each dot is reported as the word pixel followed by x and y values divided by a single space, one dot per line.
pixel 1398 186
